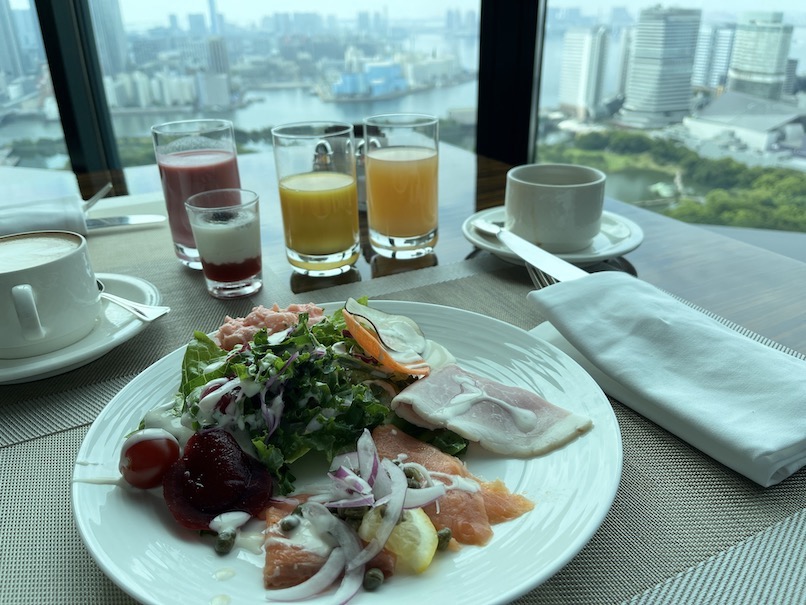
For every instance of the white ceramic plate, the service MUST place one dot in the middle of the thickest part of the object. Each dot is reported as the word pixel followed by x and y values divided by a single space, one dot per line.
pixel 113 327
pixel 134 540
pixel 617 237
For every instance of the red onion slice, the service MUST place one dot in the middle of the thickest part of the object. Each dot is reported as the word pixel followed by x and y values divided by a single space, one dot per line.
pixel 417 498
pixel 394 508
pixel 349 460
pixel 368 460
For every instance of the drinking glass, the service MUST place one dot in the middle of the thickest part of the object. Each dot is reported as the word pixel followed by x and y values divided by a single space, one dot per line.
pixel 226 226
pixel 193 156
pixel 401 163
pixel 318 196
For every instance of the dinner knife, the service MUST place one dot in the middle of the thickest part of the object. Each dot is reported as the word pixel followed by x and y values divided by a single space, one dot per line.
pixel 534 255
pixel 120 221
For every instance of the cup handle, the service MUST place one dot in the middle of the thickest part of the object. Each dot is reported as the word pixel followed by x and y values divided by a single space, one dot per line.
pixel 25 305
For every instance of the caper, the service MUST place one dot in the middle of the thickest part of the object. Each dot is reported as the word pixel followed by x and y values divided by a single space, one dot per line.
pixel 289 523
pixel 444 536
pixel 414 477
pixel 225 541
pixel 353 512
pixel 373 578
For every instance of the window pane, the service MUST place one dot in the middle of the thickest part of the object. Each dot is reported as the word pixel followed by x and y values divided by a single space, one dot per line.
pixel 260 65
pixel 691 111
pixel 31 135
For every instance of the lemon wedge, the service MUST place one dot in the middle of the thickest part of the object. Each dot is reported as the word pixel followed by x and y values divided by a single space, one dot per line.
pixel 414 539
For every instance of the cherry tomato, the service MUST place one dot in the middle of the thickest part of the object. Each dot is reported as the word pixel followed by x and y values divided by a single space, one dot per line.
pixel 146 455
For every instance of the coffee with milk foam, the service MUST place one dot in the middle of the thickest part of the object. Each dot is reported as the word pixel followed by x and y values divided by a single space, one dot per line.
pixel 34 249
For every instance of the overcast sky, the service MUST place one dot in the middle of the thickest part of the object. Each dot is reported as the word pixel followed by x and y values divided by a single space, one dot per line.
pixel 246 12
pixel 148 13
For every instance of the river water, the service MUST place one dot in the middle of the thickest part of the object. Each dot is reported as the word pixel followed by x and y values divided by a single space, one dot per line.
pixel 271 107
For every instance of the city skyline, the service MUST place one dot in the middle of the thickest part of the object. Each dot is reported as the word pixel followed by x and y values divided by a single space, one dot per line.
pixel 149 13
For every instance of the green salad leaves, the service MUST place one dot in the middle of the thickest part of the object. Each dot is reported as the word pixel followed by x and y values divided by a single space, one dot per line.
pixel 305 392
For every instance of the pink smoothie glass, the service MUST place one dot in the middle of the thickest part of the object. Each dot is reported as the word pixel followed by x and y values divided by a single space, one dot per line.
pixel 193 156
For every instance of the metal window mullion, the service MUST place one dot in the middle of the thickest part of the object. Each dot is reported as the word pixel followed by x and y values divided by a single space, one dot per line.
pixel 78 87
pixel 510 47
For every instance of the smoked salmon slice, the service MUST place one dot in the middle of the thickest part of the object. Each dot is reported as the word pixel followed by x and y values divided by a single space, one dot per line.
pixel 292 558
pixel 468 514
pixel 288 562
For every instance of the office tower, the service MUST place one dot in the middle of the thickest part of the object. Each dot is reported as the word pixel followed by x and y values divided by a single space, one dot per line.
pixel 32 52
pixel 658 90
pixel 712 57
pixel 110 37
pixel 215 26
pixel 627 36
pixel 620 18
pixel 758 66
pixel 582 70
pixel 10 59
pixel 217 57
pixel 791 78
pixel 197 24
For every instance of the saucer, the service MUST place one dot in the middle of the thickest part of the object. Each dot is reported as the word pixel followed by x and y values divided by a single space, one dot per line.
pixel 114 326
pixel 617 236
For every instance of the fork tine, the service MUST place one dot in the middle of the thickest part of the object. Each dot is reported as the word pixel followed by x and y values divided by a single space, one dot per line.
pixel 539 278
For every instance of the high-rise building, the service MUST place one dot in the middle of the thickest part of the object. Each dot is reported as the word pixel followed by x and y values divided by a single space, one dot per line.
pixel 215 25
pixel 627 35
pixel 10 59
pixel 113 51
pixel 32 52
pixel 658 90
pixel 758 66
pixel 582 70
pixel 218 58
pixel 712 57
pixel 791 79
pixel 197 24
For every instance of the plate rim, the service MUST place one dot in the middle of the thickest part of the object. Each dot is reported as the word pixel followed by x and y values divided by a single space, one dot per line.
pixel 579 258
pixel 528 583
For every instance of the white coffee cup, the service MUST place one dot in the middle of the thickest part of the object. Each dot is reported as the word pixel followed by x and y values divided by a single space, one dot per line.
pixel 49 297
pixel 557 206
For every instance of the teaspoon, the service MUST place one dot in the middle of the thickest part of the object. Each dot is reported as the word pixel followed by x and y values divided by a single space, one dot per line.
pixel 143 311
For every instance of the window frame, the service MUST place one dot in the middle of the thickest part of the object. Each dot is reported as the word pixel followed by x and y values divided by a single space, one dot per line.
pixel 511 45
pixel 75 71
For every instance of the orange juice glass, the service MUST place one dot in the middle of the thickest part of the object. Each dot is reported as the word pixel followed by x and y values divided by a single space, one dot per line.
pixel 318 196
pixel 402 167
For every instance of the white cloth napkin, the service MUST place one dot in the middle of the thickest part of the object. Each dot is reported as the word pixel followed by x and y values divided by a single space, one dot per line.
pixel 737 400
pixel 63 213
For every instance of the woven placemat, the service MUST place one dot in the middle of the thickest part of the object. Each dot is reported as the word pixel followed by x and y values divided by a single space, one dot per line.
pixel 679 518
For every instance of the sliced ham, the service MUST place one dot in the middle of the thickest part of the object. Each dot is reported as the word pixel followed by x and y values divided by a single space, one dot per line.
pixel 468 514
pixel 503 419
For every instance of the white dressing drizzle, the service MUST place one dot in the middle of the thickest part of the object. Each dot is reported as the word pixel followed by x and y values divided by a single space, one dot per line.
pixel 447 479
pixel 250 540
pixel 226 573
pixel 115 481
pixel 229 521
pixel 436 355
pixel 234 521
pixel 471 394
pixel 303 536
pixel 163 417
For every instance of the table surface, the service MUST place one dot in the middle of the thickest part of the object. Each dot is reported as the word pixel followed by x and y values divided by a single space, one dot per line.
pixel 682 528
